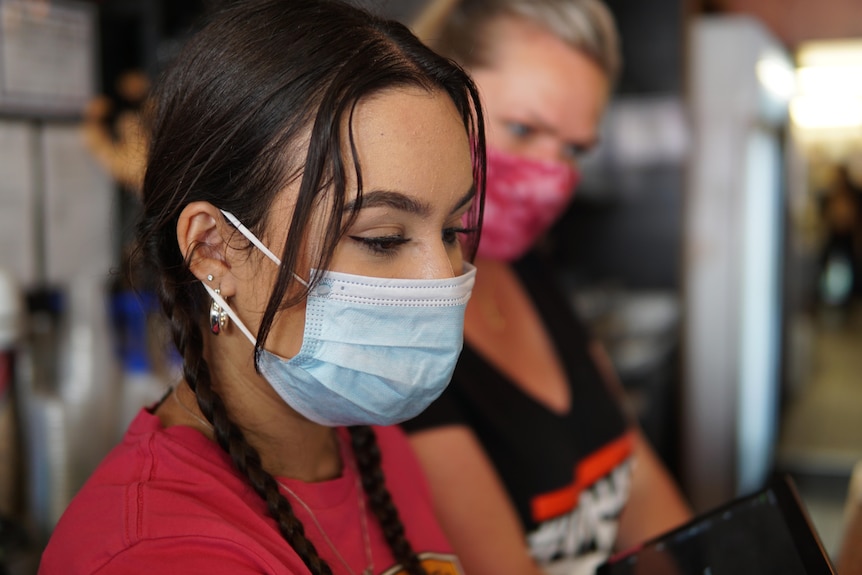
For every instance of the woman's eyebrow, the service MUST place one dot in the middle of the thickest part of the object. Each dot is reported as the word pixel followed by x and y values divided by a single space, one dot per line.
pixel 389 199
pixel 401 202
pixel 471 193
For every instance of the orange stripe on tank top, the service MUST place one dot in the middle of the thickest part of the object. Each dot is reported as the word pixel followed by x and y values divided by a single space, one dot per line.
pixel 597 465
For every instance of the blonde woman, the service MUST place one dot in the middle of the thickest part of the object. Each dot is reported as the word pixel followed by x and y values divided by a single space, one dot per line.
pixel 532 463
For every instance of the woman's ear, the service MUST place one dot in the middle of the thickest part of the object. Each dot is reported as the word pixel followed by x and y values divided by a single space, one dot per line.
pixel 200 235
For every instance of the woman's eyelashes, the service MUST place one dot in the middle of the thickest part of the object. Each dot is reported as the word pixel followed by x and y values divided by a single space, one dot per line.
pixel 381 245
pixel 389 245
pixel 451 236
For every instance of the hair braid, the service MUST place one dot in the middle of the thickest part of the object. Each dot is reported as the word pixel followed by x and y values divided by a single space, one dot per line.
pixel 247 460
pixel 188 338
pixel 367 453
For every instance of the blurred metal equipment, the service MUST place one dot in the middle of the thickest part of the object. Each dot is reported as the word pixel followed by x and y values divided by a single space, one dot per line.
pixel 16 549
pixel 47 66
pixel 740 82
pixel 10 456
pixel 59 235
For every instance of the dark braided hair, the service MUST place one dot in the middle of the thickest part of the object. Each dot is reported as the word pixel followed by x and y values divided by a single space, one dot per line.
pixel 368 460
pixel 256 100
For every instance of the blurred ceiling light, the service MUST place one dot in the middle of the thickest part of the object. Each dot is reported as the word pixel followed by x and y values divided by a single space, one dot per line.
pixel 826 112
pixel 829 83
pixel 830 80
pixel 830 53
pixel 776 75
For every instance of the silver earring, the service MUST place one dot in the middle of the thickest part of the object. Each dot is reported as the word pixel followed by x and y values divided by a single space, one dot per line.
pixel 210 278
pixel 218 316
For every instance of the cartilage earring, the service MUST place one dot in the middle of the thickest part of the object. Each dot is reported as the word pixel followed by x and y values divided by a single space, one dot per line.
pixel 218 316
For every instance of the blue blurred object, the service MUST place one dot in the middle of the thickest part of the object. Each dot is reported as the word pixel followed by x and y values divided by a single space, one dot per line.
pixel 141 384
pixel 129 315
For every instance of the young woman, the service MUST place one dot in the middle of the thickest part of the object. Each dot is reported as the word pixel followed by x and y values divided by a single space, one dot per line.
pixel 532 462
pixel 309 179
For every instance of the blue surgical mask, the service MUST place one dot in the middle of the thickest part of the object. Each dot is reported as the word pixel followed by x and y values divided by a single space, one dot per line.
pixel 375 351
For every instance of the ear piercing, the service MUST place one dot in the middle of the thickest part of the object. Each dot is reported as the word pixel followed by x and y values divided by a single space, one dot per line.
pixel 218 316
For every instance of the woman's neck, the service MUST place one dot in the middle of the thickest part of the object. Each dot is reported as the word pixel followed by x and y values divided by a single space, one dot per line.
pixel 484 310
pixel 288 444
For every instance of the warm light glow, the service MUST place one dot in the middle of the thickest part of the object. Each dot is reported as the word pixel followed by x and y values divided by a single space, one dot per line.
pixel 776 75
pixel 829 85
pixel 831 80
pixel 830 53
pixel 826 112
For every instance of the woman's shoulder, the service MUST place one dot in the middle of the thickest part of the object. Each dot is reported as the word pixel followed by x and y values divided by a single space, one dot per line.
pixel 159 459
pixel 158 492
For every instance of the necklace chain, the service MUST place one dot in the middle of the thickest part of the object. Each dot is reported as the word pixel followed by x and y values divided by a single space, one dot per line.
pixel 369 569
pixel 194 415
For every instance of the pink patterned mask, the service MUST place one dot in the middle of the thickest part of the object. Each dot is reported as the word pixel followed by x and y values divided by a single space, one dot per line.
pixel 523 199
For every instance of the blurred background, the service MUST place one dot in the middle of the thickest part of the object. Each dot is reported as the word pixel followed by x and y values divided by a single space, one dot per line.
pixel 714 245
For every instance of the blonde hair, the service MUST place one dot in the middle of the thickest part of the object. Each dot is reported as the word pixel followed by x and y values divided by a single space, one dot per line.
pixel 459 30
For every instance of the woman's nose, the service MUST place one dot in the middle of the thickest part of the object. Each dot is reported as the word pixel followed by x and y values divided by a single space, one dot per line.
pixel 442 262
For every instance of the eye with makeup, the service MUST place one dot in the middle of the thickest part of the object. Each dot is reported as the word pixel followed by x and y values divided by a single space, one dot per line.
pixel 388 245
pixel 452 235
pixel 454 231
pixel 385 245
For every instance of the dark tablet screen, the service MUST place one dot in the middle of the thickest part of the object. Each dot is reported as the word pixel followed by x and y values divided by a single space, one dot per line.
pixel 761 534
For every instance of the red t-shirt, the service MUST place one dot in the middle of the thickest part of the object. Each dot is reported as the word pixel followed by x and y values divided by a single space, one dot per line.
pixel 169 500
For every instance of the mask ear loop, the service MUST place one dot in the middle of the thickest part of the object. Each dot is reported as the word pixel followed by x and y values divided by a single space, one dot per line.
pixel 216 296
pixel 258 244
pixel 250 236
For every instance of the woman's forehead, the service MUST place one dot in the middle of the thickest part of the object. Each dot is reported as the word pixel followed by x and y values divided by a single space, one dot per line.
pixel 411 139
